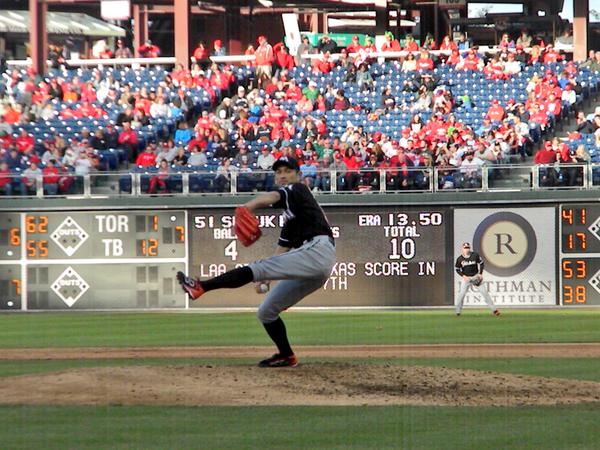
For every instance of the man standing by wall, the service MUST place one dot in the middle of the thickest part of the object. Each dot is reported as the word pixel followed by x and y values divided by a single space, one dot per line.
pixel 264 60
pixel 469 266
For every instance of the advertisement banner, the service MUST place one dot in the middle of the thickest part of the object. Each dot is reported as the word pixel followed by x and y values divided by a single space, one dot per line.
pixel 518 246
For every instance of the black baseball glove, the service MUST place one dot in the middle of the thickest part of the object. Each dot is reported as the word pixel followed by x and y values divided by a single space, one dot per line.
pixel 476 280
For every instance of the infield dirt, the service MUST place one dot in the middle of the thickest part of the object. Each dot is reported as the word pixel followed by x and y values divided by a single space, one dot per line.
pixel 334 383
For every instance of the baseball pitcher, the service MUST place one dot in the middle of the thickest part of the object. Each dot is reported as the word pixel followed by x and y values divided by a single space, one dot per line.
pixel 303 260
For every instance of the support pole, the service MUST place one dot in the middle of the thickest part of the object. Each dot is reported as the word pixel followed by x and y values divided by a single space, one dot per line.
pixel 38 38
pixel 233 29
pixel 381 17
pixel 182 32
pixel 140 27
pixel 581 11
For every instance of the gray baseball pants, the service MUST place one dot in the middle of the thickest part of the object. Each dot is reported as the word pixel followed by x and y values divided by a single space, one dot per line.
pixel 464 286
pixel 301 271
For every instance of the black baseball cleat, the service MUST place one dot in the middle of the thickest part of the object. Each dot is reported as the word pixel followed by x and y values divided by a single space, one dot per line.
pixel 190 286
pixel 278 360
pixel 457 314
pixel 496 313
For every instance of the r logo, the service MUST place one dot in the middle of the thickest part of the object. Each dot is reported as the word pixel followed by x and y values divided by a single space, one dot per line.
pixel 507 243
pixel 504 240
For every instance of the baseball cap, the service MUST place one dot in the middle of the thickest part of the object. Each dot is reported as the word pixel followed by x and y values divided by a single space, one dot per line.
pixel 466 245
pixel 287 162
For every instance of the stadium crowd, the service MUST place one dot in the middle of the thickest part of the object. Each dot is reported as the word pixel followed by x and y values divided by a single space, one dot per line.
pixel 310 105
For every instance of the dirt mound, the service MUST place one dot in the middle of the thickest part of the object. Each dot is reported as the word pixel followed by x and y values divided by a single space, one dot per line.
pixel 307 384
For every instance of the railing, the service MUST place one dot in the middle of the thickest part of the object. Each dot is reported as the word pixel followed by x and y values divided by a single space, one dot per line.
pixel 237 59
pixel 141 183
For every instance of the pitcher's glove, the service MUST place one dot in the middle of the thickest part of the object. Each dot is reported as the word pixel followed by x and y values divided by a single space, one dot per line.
pixel 246 226
pixel 476 280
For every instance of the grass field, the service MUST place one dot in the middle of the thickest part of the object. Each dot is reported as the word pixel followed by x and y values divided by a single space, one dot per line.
pixel 306 427
pixel 310 328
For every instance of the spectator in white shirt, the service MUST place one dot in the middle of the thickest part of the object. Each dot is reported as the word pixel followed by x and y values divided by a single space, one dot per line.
pixel 265 159
pixel 197 157
pixel 159 108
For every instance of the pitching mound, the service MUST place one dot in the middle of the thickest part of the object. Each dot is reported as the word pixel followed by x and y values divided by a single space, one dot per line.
pixel 307 384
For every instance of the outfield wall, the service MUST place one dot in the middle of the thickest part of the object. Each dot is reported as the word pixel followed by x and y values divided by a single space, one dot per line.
pixel 395 252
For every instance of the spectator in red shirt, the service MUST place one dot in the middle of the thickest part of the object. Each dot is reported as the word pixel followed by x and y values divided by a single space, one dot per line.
pixel 390 44
pixel 179 73
pixel 424 62
pixel 323 65
pixel 201 54
pixel 88 110
pixel 205 122
pixel 88 92
pixel 494 70
pixel 545 155
pixel 160 180
pixel 410 45
pixel 340 102
pixel 552 55
pixel 6 140
pixel 354 165
pixel 538 116
pixel 454 58
pixel 148 50
pixel 147 158
pixel 264 60
pixel 354 46
pixel 106 53
pixel 553 105
pixel 12 115
pixel 283 59
pixel 50 177
pixel 293 92
pixel 128 141
pixel 496 112
pixel 447 44
pixel 24 142
pixel 471 62
pixel 369 45
pixel 5 179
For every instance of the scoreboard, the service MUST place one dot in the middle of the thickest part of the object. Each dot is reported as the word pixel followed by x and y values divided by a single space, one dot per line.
pixel 580 254
pixel 386 256
pixel 92 260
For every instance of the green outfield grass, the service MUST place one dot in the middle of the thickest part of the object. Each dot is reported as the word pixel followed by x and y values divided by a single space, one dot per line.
pixel 394 427
pixel 305 328
pixel 300 428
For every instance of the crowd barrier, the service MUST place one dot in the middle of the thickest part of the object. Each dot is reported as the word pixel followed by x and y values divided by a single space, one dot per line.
pixel 237 59
pixel 139 182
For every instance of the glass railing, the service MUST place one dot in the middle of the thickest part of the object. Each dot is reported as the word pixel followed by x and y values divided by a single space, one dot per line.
pixel 487 178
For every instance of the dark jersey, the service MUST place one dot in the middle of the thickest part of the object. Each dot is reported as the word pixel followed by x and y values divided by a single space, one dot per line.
pixel 303 217
pixel 469 266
